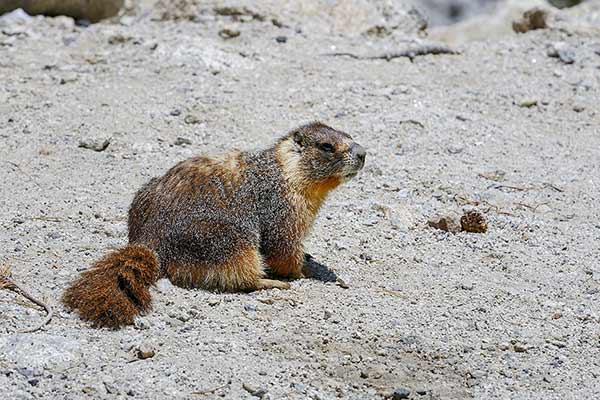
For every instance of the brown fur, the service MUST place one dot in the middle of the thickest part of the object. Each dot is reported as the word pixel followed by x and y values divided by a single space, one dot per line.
pixel 239 273
pixel 115 290
pixel 219 223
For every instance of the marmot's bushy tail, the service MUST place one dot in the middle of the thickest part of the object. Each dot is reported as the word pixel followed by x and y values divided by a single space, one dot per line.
pixel 115 290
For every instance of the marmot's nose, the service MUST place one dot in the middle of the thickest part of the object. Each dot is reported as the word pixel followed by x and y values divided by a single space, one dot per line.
pixel 359 152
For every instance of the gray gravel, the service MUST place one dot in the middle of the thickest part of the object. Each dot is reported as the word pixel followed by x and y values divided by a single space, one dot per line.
pixel 423 313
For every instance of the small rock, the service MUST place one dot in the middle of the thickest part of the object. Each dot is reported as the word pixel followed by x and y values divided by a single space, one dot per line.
pixel 254 391
pixel 145 350
pixel 141 323
pixel 229 33
pixel 562 51
pixel 300 387
pixel 504 346
pixel 87 389
pixel 455 149
pixel 421 392
pixel 557 315
pixel 191 119
pixel 180 141
pixel 556 342
pixel 578 108
pixel 496 176
pixel 164 285
pixel 400 393
pixel 341 283
pixel 119 39
pixel 173 322
pixel 473 222
pixel 213 301
pixel 54 235
pixel 250 307
pixel 535 18
pixel 281 39
pixel 68 79
pixel 448 223
pixel 527 103
pixel 94 144
pixel 175 112
pixel 520 347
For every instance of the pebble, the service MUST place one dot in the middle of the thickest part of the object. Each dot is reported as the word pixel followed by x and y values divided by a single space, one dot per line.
pixel 95 144
pixel 527 103
pixel 281 39
pixel 54 235
pixel 191 119
pixel 181 141
pixel 562 51
pixel 229 33
pixel 164 285
pixel 145 350
pixel 250 308
pixel 455 149
pixel 400 393
pixel 299 387
pixel 341 283
pixel 254 391
pixel 213 302
pixel 141 323
pixel 520 347
pixel 504 346
pixel 448 223
pixel 556 342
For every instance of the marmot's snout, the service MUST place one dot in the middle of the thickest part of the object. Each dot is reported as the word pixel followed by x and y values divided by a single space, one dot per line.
pixel 358 154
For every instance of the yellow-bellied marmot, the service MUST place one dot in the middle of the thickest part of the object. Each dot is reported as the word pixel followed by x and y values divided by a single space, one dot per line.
pixel 219 223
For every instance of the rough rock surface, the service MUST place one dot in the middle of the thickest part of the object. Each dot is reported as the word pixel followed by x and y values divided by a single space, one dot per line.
pixel 92 10
pixel 512 313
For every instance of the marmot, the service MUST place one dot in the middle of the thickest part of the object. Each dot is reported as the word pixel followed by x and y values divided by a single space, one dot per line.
pixel 220 224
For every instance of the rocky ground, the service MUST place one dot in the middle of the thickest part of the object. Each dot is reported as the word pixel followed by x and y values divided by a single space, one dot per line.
pixel 507 127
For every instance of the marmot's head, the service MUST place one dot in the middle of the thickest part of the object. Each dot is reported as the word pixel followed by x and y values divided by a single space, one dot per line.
pixel 317 152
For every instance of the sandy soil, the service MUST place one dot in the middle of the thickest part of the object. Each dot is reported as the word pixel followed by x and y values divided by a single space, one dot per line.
pixel 502 128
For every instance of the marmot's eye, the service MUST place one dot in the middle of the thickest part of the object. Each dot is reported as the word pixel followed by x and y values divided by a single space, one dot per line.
pixel 326 147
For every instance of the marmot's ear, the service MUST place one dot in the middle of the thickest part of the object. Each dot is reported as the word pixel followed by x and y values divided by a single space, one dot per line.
pixel 299 139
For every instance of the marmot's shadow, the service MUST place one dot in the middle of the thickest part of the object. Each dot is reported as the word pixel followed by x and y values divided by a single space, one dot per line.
pixel 315 270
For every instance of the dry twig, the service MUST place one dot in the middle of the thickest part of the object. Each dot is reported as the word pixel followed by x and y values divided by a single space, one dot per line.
pixel 19 169
pixel 9 284
pixel 463 200
pixel 210 391
pixel 412 51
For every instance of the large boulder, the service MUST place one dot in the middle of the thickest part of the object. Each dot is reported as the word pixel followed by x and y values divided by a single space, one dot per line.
pixel 92 10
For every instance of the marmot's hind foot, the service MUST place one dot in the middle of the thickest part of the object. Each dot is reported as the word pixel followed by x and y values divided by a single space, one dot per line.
pixel 272 284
